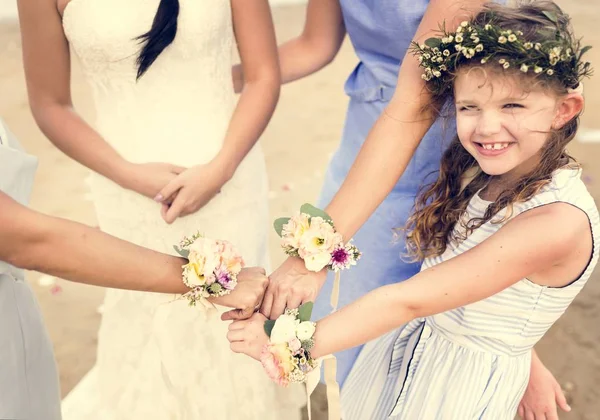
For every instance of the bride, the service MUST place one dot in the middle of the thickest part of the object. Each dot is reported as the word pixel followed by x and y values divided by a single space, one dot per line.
pixel 171 153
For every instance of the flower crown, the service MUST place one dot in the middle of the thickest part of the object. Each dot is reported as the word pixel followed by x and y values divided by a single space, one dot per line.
pixel 558 57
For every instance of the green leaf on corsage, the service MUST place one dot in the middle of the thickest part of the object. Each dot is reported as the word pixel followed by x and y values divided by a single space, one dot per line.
pixel 183 252
pixel 278 224
pixel 312 211
pixel 269 324
pixel 305 311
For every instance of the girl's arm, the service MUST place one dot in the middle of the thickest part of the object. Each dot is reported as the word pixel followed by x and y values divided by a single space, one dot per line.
pixel 316 47
pixel 544 237
pixel 555 235
pixel 257 46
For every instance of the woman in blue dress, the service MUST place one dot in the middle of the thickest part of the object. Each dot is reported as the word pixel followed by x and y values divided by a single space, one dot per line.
pixel 382 187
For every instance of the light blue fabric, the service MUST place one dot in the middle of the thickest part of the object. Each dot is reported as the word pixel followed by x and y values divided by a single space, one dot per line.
pixel 29 387
pixel 381 32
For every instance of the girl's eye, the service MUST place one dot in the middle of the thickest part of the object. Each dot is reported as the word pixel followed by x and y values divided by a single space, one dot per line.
pixel 513 106
pixel 466 108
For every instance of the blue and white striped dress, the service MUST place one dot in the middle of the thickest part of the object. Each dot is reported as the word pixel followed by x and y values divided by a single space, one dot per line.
pixel 472 362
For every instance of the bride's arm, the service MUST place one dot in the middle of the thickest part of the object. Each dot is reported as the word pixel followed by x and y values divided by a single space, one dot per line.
pixel 76 252
pixel 257 47
pixel 255 36
pixel 47 71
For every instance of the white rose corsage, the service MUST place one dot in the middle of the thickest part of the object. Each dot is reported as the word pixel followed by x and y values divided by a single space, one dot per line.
pixel 286 358
pixel 311 236
pixel 212 267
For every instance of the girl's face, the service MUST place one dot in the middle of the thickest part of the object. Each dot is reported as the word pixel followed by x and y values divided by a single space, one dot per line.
pixel 503 127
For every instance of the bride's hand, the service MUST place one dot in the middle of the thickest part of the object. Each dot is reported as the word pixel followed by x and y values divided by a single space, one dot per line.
pixel 149 178
pixel 291 285
pixel 248 336
pixel 246 296
pixel 193 188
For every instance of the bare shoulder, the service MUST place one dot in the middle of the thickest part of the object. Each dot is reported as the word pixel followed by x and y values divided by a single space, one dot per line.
pixel 562 224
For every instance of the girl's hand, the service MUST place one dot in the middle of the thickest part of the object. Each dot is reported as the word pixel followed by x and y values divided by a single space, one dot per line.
pixel 543 395
pixel 248 336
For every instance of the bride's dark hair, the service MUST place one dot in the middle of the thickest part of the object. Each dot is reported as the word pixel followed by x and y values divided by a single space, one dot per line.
pixel 160 36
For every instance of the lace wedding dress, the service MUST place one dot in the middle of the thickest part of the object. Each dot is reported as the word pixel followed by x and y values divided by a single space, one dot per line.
pixel 158 358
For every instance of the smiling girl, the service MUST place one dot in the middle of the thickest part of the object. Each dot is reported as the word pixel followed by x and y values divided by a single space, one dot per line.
pixel 508 233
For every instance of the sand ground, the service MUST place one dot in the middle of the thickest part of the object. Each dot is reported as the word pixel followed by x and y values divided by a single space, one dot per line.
pixel 310 113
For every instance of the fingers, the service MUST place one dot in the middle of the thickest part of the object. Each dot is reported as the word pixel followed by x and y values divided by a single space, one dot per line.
pixel 237 325
pixel 561 400
pixel 256 270
pixel 294 301
pixel 521 411
pixel 529 415
pixel 177 169
pixel 232 315
pixel 279 304
pixel 168 190
pixel 238 346
pixel 163 210
pixel 236 335
pixel 267 303
pixel 175 209
pixel 237 314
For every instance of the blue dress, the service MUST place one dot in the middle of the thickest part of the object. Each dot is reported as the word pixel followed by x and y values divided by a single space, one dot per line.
pixel 381 32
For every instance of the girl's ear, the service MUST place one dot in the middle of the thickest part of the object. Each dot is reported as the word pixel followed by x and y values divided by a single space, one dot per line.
pixel 568 108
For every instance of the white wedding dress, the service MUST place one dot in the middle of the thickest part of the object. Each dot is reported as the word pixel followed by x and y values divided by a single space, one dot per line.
pixel 159 358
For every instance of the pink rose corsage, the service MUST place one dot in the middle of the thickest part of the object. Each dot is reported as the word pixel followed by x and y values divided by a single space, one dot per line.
pixel 212 267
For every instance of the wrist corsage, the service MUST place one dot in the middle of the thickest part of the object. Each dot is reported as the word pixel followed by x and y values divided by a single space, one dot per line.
pixel 212 268
pixel 311 236
pixel 286 358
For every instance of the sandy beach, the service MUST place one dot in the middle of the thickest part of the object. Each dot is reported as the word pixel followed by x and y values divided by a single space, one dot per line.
pixel 310 113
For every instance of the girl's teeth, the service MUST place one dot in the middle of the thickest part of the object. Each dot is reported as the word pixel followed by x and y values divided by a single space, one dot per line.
pixel 495 146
